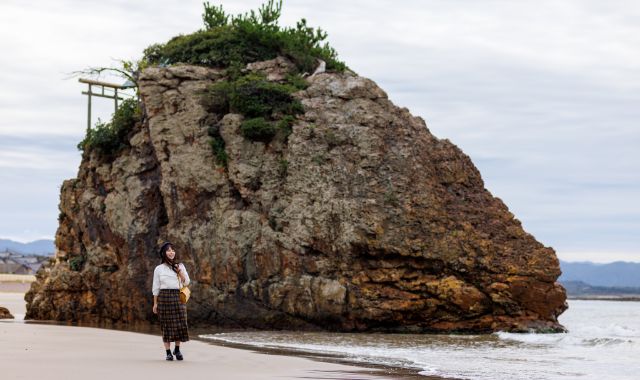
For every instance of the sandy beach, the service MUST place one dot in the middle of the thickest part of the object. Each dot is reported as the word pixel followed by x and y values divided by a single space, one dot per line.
pixel 31 350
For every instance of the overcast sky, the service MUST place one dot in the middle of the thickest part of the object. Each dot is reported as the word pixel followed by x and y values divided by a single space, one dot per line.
pixel 544 96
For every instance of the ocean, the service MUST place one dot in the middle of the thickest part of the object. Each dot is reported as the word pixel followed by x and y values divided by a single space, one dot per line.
pixel 603 342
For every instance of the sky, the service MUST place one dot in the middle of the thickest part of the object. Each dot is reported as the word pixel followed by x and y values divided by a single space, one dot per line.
pixel 544 96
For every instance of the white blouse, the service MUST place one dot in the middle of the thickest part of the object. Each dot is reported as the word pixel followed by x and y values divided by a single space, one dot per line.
pixel 165 278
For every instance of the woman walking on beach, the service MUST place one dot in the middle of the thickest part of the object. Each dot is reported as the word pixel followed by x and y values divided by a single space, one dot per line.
pixel 168 277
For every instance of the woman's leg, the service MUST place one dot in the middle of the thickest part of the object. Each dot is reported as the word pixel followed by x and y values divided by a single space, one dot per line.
pixel 167 347
pixel 177 352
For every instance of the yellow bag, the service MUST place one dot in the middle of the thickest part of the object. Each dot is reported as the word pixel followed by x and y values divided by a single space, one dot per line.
pixel 185 292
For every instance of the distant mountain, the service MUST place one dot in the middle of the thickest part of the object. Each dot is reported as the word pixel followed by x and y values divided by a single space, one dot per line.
pixel 578 289
pixel 44 247
pixel 617 274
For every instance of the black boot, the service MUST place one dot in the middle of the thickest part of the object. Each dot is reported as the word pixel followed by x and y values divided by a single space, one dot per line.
pixel 177 353
pixel 169 356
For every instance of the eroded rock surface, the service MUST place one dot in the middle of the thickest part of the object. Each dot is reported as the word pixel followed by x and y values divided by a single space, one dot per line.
pixel 5 314
pixel 361 220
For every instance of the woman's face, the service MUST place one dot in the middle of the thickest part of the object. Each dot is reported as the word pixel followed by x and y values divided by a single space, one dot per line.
pixel 171 253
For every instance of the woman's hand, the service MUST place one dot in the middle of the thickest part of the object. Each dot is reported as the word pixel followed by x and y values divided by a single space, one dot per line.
pixel 155 308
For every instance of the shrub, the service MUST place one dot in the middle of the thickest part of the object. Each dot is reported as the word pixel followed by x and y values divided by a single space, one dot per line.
pixel 268 106
pixel 240 39
pixel 218 47
pixel 109 138
pixel 254 96
pixel 257 129
pixel 216 97
pixel 297 81
pixel 302 45
pixel 251 95
pixel 214 16
pixel 76 263
pixel 285 125
pixel 218 145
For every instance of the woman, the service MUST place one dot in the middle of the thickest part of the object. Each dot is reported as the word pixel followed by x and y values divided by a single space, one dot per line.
pixel 168 277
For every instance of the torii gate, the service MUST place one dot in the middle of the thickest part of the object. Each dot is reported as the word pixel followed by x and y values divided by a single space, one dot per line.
pixel 113 88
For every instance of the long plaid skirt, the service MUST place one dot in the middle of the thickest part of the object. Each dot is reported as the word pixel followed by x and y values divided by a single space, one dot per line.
pixel 173 316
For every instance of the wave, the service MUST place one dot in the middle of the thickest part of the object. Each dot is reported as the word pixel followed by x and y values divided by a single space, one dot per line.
pixel 381 354
pixel 590 336
pixel 603 343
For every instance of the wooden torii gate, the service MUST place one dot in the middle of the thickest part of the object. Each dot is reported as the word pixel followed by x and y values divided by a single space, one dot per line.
pixel 111 93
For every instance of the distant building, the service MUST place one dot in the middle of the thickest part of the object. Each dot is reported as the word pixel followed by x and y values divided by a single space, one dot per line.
pixel 16 263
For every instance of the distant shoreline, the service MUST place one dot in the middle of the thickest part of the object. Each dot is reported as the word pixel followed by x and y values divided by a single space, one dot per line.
pixel 15 283
pixel 635 298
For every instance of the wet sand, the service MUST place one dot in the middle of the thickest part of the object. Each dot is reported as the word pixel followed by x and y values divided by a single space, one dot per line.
pixel 32 350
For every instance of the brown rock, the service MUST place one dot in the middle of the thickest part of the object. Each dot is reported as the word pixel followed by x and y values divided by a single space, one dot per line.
pixel 4 313
pixel 375 225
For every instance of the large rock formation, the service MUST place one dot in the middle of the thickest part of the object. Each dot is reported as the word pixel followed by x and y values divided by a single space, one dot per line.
pixel 361 220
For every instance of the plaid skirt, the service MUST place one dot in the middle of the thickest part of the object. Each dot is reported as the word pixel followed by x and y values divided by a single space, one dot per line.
pixel 173 316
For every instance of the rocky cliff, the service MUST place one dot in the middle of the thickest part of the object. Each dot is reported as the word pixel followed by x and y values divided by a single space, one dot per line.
pixel 360 220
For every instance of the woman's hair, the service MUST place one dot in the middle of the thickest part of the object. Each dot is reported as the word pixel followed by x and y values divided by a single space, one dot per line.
pixel 163 255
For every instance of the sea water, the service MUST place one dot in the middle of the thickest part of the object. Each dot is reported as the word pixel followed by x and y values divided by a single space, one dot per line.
pixel 603 342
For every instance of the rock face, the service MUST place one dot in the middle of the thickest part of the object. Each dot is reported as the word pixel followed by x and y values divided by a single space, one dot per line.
pixel 5 314
pixel 361 220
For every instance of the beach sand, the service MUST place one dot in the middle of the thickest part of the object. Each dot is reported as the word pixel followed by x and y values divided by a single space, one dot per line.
pixel 41 351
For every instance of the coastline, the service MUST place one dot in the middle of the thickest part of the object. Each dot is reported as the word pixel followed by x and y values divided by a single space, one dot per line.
pixel 70 352
pixel 605 298
pixel 380 371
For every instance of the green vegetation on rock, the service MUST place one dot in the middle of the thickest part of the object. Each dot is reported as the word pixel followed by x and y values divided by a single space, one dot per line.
pixel 109 138
pixel 253 96
pixel 285 125
pixel 267 106
pixel 258 129
pixel 76 263
pixel 217 144
pixel 232 41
